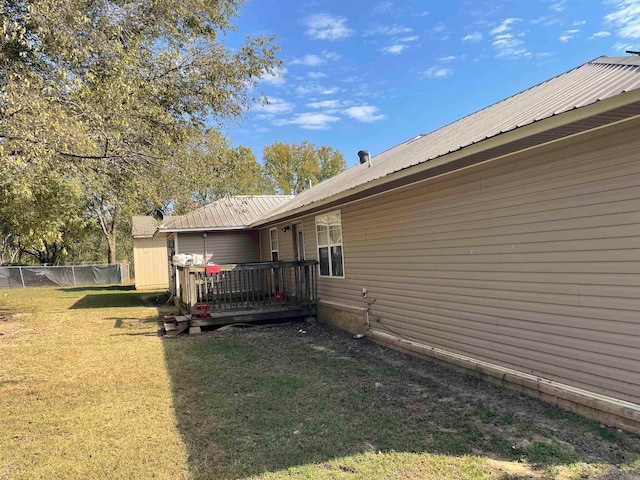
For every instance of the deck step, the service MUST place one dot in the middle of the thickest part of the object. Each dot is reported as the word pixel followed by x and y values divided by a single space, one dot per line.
pixel 169 327
pixel 182 318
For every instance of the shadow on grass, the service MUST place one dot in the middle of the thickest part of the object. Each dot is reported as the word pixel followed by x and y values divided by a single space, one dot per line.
pixel 263 401
pixel 95 288
pixel 127 298
pixel 131 324
pixel 109 300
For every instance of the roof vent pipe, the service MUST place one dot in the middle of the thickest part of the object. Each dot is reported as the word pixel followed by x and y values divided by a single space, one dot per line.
pixel 364 157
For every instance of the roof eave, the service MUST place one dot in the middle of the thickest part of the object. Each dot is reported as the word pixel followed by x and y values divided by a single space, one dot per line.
pixel 541 126
pixel 204 229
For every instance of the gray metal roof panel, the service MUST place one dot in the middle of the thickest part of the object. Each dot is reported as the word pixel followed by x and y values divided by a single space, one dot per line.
pixel 143 226
pixel 231 212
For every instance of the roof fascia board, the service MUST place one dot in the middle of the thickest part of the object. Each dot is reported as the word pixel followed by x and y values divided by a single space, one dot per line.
pixel 541 126
pixel 203 229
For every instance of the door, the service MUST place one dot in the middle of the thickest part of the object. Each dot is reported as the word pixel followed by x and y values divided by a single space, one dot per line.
pixel 302 289
pixel 298 232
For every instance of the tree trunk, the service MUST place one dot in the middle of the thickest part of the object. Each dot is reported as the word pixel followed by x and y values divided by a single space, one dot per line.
pixel 111 247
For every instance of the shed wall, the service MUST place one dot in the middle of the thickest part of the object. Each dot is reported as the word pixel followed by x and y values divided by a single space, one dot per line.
pixel 150 263
pixel 530 262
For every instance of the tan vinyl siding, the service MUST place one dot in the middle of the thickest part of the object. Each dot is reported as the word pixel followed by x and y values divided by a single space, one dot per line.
pixel 265 246
pixel 530 262
pixel 150 261
pixel 223 247
pixel 285 242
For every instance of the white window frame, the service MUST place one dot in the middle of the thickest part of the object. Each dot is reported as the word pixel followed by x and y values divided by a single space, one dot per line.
pixel 324 220
pixel 271 243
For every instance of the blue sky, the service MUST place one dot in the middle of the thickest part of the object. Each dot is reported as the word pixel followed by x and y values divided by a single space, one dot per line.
pixel 372 74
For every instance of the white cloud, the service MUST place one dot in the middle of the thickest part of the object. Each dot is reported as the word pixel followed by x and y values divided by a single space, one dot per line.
pixel 626 17
pixel 437 72
pixel 473 37
pixel 316 75
pixel 424 13
pixel 568 35
pixel 328 104
pixel 505 26
pixel 411 38
pixel 509 46
pixel 315 89
pixel 579 23
pixel 387 30
pixel 601 34
pixel 558 7
pixel 324 26
pixel 331 55
pixel 275 78
pixel 310 121
pixel 396 49
pixel 313 60
pixel 309 61
pixel 440 32
pixel 450 58
pixel 548 21
pixel 383 7
pixel 508 43
pixel 329 91
pixel 364 113
pixel 623 47
pixel 274 106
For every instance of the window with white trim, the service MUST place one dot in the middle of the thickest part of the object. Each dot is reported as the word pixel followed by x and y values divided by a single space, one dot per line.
pixel 273 240
pixel 329 234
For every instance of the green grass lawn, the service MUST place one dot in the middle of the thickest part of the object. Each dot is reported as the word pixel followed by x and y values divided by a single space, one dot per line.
pixel 87 390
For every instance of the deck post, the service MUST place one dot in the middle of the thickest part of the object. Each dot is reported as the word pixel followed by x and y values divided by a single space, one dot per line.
pixel 193 292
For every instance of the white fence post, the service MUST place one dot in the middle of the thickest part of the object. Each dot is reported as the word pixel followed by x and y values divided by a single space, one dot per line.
pixel 73 272
pixel 21 277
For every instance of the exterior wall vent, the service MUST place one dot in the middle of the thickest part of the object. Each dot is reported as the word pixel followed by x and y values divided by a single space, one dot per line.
pixel 364 157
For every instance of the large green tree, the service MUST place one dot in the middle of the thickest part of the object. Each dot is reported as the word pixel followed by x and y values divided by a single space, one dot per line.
pixel 109 92
pixel 42 221
pixel 215 169
pixel 292 167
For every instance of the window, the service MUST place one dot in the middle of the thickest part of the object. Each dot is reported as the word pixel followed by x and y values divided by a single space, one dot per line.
pixel 329 233
pixel 273 239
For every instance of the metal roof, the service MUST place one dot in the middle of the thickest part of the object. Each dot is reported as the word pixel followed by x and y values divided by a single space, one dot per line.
pixel 585 85
pixel 226 213
pixel 143 226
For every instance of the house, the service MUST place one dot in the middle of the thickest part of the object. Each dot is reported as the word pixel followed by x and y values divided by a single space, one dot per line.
pixel 506 243
pixel 220 232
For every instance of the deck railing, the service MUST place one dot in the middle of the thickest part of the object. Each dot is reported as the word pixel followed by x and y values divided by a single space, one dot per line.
pixel 246 286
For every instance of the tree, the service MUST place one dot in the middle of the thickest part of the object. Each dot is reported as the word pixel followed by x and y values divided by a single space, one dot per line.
pixel 43 220
pixel 293 167
pixel 213 169
pixel 109 92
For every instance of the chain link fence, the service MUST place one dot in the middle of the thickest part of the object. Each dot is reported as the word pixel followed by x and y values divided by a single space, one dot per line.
pixel 67 276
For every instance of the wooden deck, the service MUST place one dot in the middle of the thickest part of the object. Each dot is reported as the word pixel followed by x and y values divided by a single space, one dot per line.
pixel 248 292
